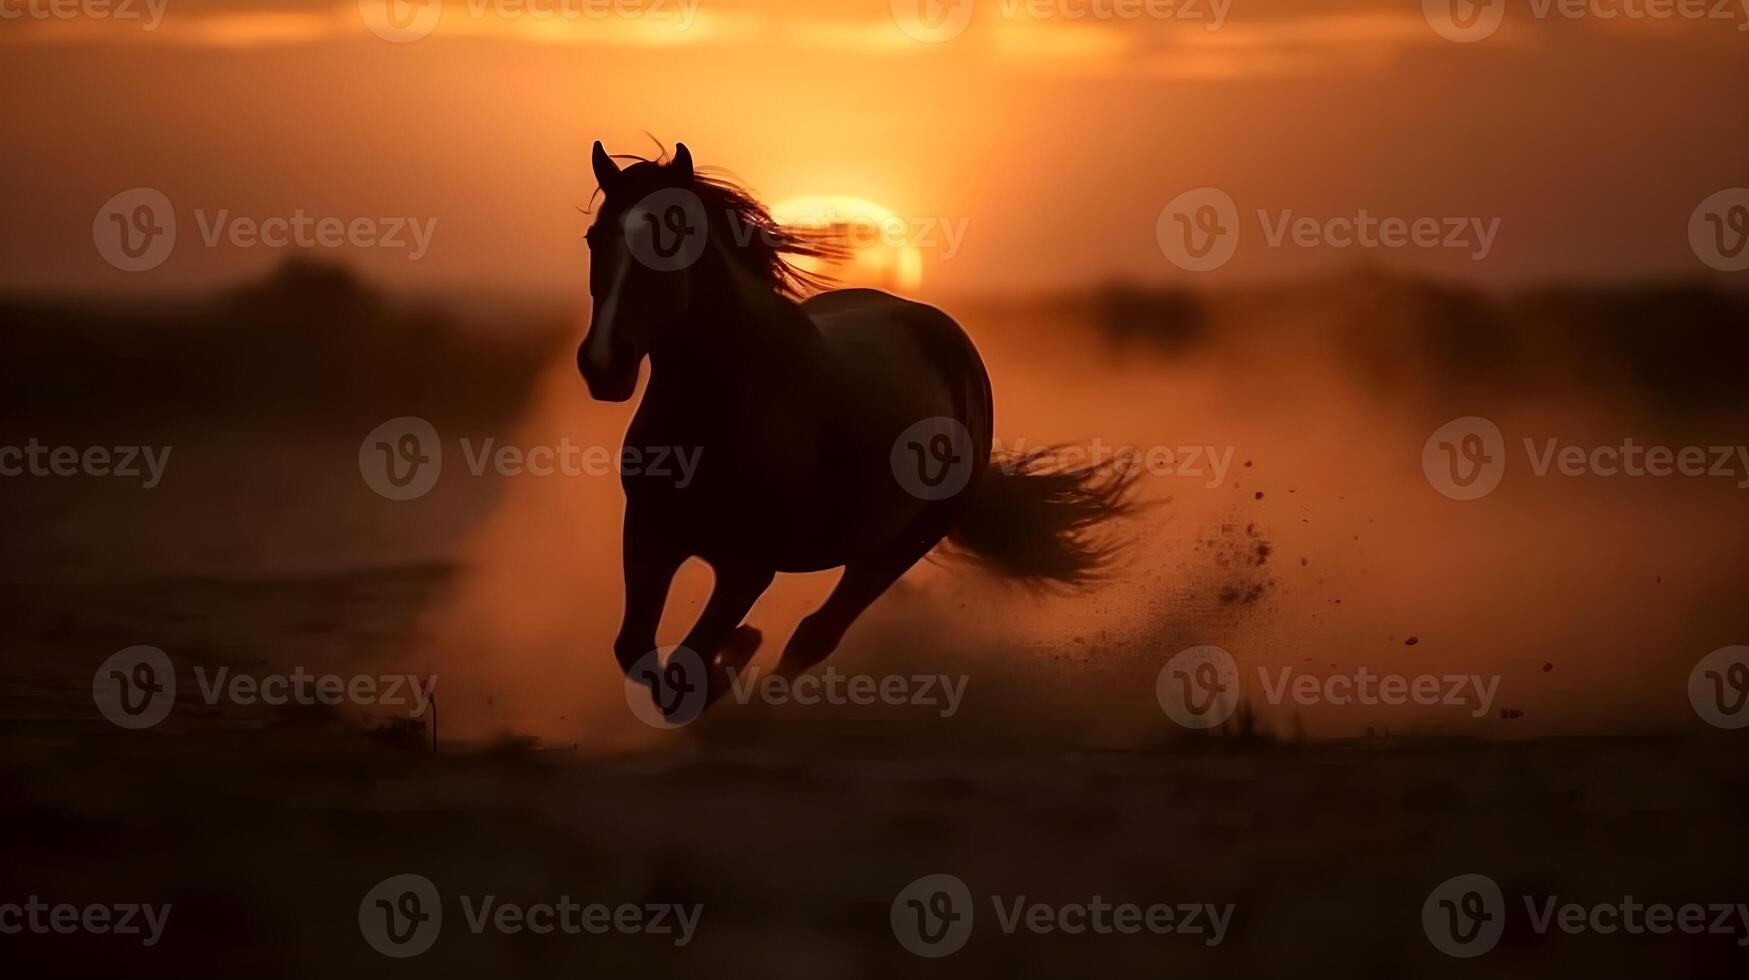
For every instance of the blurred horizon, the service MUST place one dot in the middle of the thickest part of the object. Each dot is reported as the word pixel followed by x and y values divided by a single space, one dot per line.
pixel 1025 152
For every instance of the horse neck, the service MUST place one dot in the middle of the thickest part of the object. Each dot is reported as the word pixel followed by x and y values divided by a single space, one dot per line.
pixel 736 329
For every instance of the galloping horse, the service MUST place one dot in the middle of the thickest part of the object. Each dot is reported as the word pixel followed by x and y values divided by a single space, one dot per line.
pixel 852 428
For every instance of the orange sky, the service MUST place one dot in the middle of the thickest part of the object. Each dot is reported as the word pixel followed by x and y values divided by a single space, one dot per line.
pixel 1048 143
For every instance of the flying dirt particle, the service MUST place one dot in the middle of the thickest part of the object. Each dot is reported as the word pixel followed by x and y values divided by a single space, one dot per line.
pixel 1257 496
pixel 1548 667
pixel 1511 713
pixel 1303 563
pixel 1244 595
pixel 1411 641
pixel 1247 464
pixel 1263 550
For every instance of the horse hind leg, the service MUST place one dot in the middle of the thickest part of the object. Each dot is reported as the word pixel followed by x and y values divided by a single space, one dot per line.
pixel 820 632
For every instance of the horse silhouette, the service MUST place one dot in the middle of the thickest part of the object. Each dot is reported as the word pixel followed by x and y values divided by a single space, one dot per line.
pixel 851 428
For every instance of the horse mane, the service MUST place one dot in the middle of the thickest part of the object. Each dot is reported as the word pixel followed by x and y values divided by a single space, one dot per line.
pixel 755 240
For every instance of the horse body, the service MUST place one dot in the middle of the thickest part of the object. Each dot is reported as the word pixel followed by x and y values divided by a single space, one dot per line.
pixel 798 410
pixel 796 434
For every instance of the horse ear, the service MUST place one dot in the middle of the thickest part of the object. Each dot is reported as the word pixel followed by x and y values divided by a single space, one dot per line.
pixel 682 161
pixel 605 169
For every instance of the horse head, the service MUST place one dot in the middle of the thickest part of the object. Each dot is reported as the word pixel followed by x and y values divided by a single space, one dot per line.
pixel 648 234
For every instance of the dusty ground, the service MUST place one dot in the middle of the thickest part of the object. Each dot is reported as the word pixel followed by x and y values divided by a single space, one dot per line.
pixel 265 828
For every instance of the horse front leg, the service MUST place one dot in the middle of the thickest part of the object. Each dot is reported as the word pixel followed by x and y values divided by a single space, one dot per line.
pixel 719 630
pixel 650 560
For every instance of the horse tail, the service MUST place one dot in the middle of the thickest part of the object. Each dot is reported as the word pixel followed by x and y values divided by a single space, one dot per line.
pixel 1022 516
pixel 1027 519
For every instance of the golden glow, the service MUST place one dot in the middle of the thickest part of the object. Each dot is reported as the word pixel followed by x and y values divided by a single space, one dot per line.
pixel 883 246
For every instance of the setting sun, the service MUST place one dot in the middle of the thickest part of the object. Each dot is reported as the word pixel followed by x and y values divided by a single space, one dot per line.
pixel 883 246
